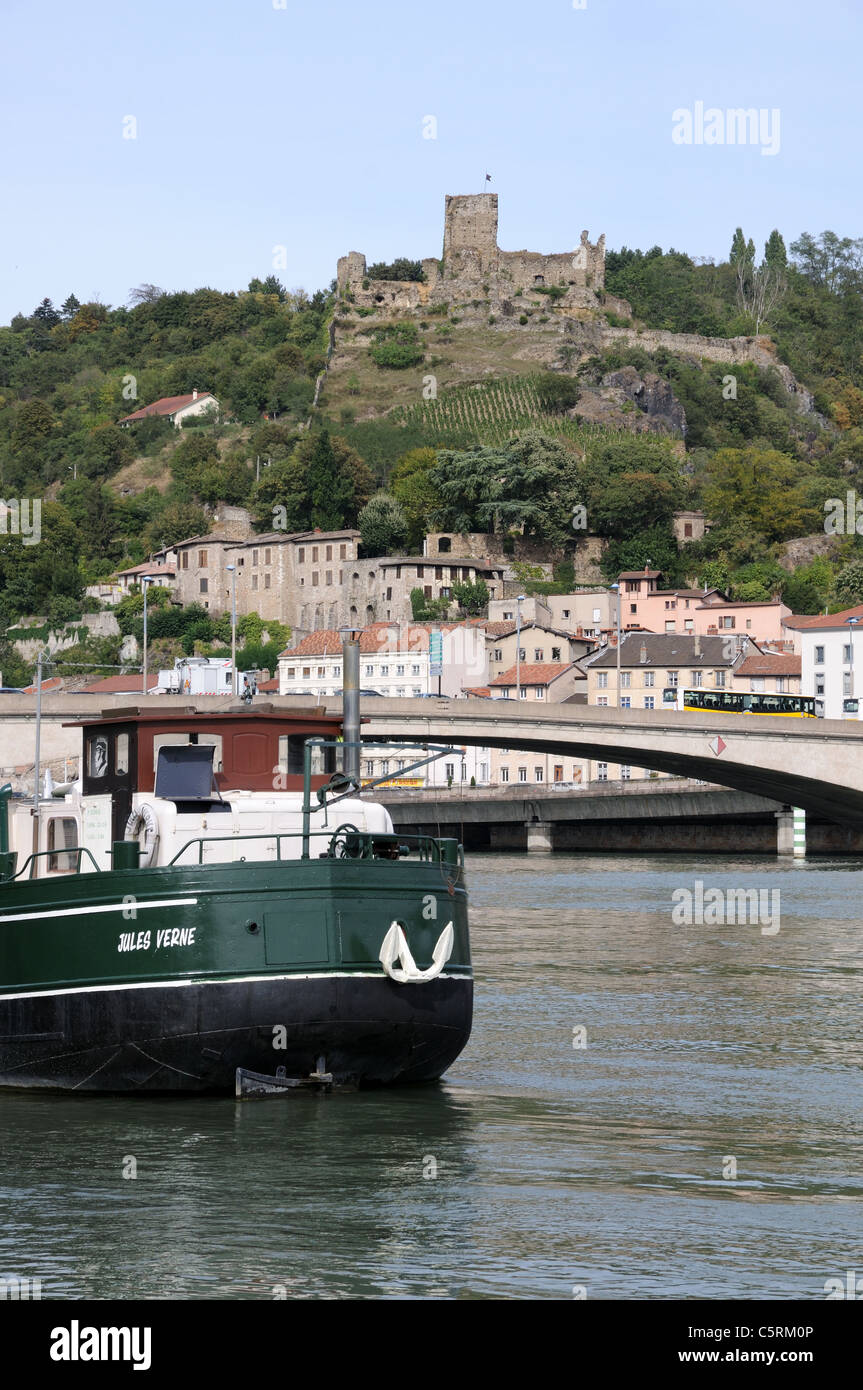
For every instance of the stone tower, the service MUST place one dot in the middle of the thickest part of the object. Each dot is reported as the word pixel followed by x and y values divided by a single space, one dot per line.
pixel 470 234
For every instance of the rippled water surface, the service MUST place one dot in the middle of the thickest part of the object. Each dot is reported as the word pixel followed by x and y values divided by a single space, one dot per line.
pixel 536 1166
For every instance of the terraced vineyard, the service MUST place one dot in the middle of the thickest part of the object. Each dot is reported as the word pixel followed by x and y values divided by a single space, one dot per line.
pixel 492 412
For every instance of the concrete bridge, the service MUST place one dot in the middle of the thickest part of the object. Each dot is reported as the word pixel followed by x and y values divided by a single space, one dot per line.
pixel 816 764
pixel 813 763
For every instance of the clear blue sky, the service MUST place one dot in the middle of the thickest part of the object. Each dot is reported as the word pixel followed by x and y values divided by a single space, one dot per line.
pixel 302 127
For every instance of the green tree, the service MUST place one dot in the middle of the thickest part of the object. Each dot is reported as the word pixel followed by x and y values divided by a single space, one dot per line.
pixel 629 484
pixel 472 599
pixel 529 485
pixel 775 254
pixel 383 525
pixel 848 589
pixel 413 487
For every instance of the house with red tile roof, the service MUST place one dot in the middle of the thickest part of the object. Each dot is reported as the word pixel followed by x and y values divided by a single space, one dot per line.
pixel 395 660
pixel 175 408
pixel 549 681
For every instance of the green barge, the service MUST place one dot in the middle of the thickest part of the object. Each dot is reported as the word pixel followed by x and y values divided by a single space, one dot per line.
pixel 214 897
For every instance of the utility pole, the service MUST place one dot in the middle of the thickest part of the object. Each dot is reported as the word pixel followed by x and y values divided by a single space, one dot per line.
pixel 519 601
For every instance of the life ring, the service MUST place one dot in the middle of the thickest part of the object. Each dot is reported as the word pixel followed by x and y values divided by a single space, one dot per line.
pixel 144 818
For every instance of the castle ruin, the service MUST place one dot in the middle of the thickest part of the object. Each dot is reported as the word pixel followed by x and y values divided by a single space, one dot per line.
pixel 473 266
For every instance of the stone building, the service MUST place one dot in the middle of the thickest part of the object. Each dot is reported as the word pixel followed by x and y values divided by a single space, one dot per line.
pixel 474 265
pixel 296 579
pixel 380 590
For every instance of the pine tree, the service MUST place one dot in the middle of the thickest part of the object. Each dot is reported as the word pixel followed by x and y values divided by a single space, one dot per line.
pixel 738 247
pixel 70 307
pixel 775 254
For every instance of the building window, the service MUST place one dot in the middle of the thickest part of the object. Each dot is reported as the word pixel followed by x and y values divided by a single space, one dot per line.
pixel 756 683
pixel 720 679
pixel 267 578
pixel 649 679
pixel 672 678
pixel 267 554
pixel 538 774
pixel 602 680
pixel 369 670
pixel 602 701
pixel 819 656
pixel 626 702
pixel 523 693
pixel 400 670
pixel 727 622
pixel 254 581
pixel 329 552
pixel 781 685
pixel 203 586
pixel 648 702
pixel 322 671
pixel 558 772
pixel 202 559
pixel 504 774
pixel 688 624
pixel 254 557
pixel 315 577
pixel 343 552
pixel 846 654
pixel 602 772
pixel 671 626
pixel 449 770
pixel 385 670
pixel 555 653
pixel 329 576
pixel 540 692
pixel 633 608
pixel 307 673
pixel 538 654
pixel 385 767
pixel 566 612
pixel 819 687
pixel 522 774
pixel 314 554
pixel 498 654
pixel 625 772
pixel 697 678
pixel 415 670
pixel 625 680
pixel 185 564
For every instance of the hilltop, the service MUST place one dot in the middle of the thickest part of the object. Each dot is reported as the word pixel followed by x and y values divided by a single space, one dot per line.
pixel 747 375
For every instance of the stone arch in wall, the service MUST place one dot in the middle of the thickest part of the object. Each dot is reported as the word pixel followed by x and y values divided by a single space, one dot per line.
pixel 370 613
pixel 353 615
pixel 370 579
pixel 304 616
pixel 444 545
pixel 333 620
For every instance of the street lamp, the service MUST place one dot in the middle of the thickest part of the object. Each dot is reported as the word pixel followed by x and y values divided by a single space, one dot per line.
pixel 616 587
pixel 519 601
pixel 145 584
pixel 852 623
pixel 232 571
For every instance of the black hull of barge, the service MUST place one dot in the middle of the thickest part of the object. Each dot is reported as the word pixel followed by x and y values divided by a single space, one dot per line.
pixel 192 1038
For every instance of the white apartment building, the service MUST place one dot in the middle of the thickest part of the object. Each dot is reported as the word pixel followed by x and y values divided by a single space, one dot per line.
pixel 831 650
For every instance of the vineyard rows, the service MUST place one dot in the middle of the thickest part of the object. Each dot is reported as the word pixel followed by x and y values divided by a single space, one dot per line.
pixel 491 412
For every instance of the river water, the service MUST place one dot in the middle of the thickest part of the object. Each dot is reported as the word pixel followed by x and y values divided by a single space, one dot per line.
pixel 583 1145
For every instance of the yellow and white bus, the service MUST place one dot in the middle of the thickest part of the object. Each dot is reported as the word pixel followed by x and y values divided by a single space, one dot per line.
pixel 740 702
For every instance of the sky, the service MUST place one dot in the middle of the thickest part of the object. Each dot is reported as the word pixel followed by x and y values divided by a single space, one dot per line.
pixel 258 125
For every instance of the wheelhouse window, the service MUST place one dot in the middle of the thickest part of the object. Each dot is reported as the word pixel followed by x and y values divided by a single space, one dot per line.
pixel 61 843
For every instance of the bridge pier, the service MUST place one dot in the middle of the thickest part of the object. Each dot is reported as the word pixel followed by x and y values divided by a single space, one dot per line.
pixel 791 831
pixel 538 836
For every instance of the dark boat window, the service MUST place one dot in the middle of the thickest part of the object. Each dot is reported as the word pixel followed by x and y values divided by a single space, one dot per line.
pixel 184 740
pixel 121 754
pixel 291 756
pixel 185 774
pixel 97 761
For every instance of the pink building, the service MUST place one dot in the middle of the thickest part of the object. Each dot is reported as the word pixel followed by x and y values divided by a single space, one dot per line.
pixel 706 611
